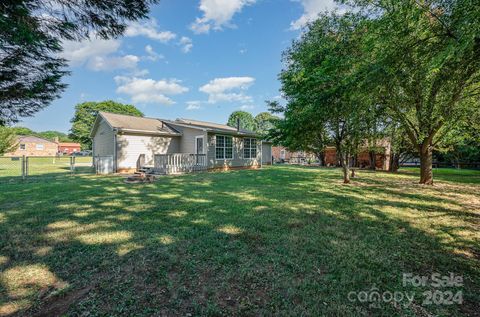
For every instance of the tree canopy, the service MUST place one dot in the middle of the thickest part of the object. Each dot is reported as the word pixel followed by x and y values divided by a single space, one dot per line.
pixel 264 123
pixel 85 114
pixel 321 88
pixel 49 135
pixel 411 65
pixel 31 34
pixel 422 64
pixel 247 121
pixel 7 140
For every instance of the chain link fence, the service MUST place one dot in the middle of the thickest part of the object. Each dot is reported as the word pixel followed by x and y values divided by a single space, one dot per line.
pixel 18 168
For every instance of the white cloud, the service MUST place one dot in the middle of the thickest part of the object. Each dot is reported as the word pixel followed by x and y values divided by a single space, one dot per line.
pixel 149 29
pixel 96 54
pixel 84 96
pixel 186 44
pixel 193 105
pixel 99 63
pixel 140 72
pixel 152 55
pixel 247 107
pixel 311 9
pixel 217 14
pixel 80 52
pixel 228 89
pixel 143 90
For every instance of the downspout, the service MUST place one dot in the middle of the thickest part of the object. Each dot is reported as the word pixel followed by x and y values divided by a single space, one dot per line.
pixel 261 153
pixel 115 150
pixel 93 155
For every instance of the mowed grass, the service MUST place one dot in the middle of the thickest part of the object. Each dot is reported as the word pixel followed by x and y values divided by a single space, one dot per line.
pixel 283 240
pixel 11 167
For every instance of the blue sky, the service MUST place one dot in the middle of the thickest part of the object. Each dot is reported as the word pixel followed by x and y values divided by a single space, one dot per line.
pixel 199 59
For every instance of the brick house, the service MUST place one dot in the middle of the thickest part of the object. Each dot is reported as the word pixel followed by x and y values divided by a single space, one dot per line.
pixel 362 159
pixel 34 146
pixel 68 148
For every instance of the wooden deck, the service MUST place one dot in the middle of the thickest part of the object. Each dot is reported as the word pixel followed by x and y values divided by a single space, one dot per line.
pixel 179 163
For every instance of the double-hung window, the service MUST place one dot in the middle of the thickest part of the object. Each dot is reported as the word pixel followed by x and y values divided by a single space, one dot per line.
pixel 223 147
pixel 249 148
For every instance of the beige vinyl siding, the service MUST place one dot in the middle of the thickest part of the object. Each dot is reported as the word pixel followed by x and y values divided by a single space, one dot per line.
pixel 187 144
pixel 103 140
pixel 130 146
pixel 266 153
pixel 238 160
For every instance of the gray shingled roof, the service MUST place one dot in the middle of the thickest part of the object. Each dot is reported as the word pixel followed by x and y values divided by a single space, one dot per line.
pixel 161 126
pixel 132 123
pixel 214 127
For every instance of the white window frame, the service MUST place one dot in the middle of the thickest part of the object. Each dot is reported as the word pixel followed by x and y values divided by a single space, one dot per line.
pixel 250 148
pixel 224 148
pixel 282 154
pixel 39 146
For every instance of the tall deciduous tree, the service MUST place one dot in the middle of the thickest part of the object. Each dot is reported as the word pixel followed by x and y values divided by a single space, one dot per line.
pixel 247 121
pixel 320 84
pixel 85 114
pixel 31 32
pixel 299 133
pixel 423 64
pixel 7 140
pixel 264 122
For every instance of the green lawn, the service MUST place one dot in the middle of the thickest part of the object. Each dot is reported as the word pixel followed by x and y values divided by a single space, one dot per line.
pixel 283 240
pixel 11 167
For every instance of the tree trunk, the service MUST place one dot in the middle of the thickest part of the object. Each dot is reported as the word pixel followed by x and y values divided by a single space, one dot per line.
pixel 426 174
pixel 373 159
pixel 346 168
pixel 321 158
pixel 394 162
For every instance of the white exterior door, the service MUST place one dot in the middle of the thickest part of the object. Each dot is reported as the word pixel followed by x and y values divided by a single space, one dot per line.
pixel 199 145
pixel 199 148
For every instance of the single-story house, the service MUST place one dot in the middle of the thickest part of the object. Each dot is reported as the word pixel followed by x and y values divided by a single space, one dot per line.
pixel 68 148
pixel 175 145
pixel 30 145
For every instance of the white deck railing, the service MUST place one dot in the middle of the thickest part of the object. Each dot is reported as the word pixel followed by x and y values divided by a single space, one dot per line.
pixel 177 163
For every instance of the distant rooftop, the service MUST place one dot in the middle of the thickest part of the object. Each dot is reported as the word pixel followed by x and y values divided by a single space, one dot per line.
pixel 68 144
pixel 31 138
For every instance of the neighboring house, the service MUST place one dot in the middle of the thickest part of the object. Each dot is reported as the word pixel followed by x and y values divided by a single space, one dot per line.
pixel 68 148
pixel 34 146
pixel 282 154
pixel 362 159
pixel 137 142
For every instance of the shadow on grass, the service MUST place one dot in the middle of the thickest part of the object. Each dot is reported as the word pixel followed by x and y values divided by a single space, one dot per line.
pixel 464 176
pixel 59 174
pixel 268 242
